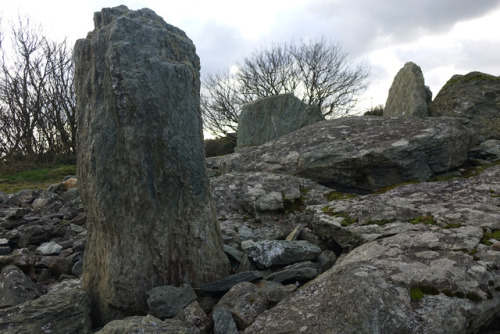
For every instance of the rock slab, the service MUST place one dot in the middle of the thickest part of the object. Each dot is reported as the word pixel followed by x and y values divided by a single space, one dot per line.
pixel 272 117
pixel 408 95
pixel 361 154
pixel 151 218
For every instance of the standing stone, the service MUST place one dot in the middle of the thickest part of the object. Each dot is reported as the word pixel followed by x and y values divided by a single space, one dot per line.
pixel 271 117
pixel 408 95
pixel 141 173
pixel 475 96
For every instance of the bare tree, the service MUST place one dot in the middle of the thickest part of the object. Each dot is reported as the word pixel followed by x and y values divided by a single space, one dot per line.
pixel 36 96
pixel 221 103
pixel 328 77
pixel 318 72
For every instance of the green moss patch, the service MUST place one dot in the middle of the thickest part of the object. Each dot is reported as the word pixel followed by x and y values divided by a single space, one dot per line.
pixel 380 222
pixel 35 179
pixel 428 220
pixel 486 239
pixel 335 196
pixel 416 294
pixel 457 225
pixel 348 220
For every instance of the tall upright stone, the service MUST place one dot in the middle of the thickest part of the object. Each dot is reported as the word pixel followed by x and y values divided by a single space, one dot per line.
pixel 151 217
pixel 408 95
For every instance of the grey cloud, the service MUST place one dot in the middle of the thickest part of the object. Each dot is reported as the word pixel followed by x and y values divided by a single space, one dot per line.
pixel 218 46
pixel 363 25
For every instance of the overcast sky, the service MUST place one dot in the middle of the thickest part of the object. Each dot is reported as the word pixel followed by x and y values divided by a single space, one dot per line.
pixel 443 37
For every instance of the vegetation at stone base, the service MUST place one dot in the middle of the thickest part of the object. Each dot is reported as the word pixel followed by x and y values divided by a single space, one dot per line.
pixel 220 146
pixel 348 220
pixel 493 194
pixel 465 78
pixel 296 204
pixel 375 111
pixel 452 225
pixel 335 195
pixel 428 220
pixel 380 222
pixel 35 179
pixel 486 239
pixel 418 292
pixel 468 172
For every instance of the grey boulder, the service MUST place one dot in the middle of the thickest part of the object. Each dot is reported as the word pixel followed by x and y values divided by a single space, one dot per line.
pixel 272 117
pixel 475 96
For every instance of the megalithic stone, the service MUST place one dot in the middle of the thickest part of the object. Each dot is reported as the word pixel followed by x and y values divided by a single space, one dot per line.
pixel 141 169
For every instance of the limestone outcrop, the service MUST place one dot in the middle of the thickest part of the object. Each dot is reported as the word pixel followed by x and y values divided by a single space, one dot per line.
pixel 361 154
pixel 475 96
pixel 408 95
pixel 141 175
pixel 272 117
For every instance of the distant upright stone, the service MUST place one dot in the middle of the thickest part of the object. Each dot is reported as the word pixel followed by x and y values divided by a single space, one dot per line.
pixel 408 95
pixel 141 173
pixel 475 96
pixel 272 117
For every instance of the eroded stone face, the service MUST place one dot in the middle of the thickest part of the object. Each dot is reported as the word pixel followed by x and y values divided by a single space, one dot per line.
pixel 151 218
pixel 475 96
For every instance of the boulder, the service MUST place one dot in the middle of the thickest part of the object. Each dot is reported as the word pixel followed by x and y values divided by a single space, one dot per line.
pixel 269 253
pixel 475 96
pixel 245 302
pixel 166 301
pixel 60 312
pixel 193 317
pixel 223 322
pixel 141 324
pixel 297 272
pixel 15 287
pixel 408 95
pixel 150 215
pixel 361 154
pixel 272 117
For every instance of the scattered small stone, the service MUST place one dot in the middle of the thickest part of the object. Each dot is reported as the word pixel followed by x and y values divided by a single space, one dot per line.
pixel 49 248
pixel 227 283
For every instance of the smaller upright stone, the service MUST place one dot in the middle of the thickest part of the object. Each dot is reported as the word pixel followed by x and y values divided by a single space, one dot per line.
pixel 408 95
pixel 272 117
